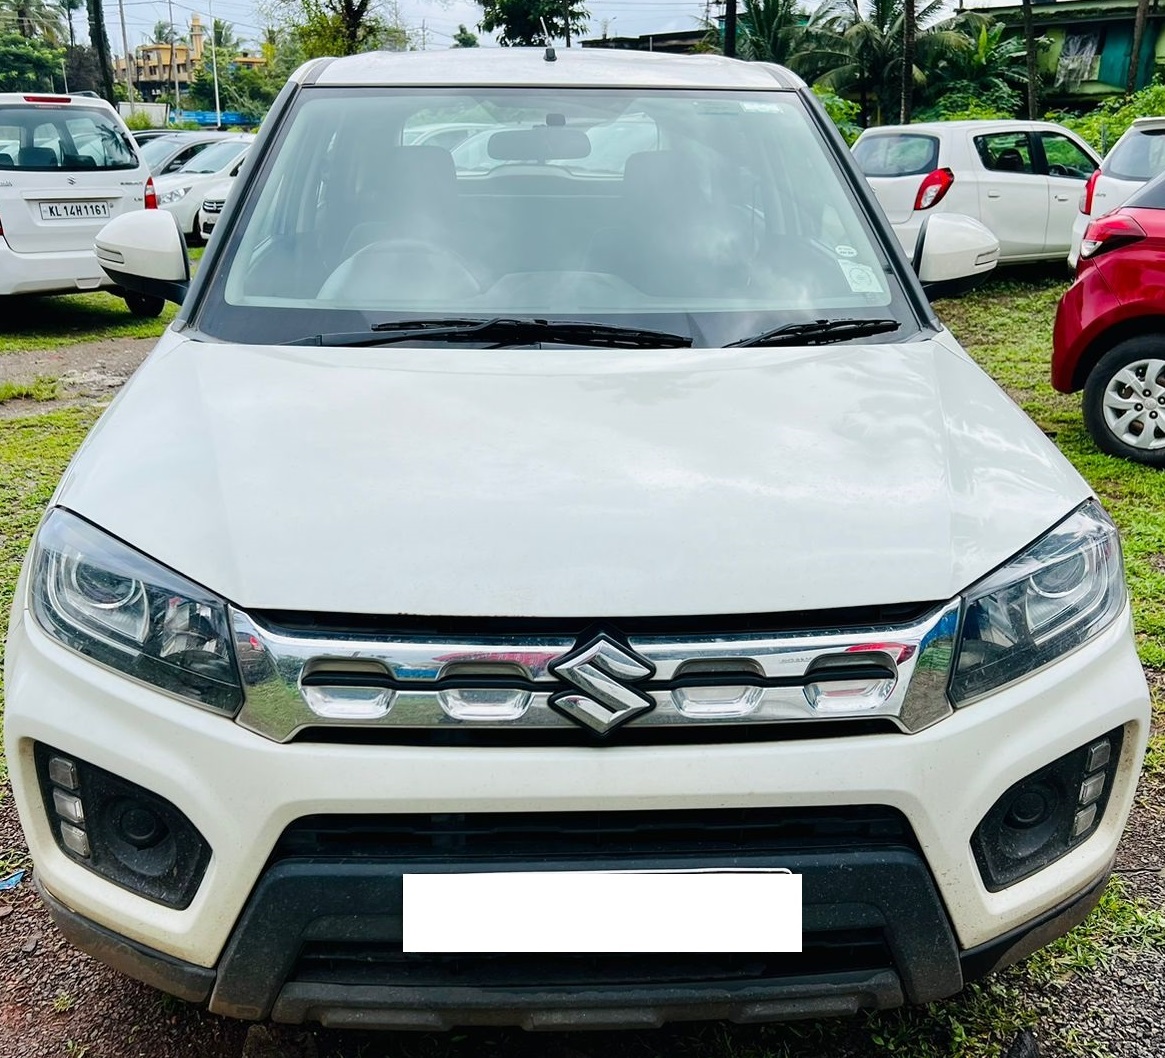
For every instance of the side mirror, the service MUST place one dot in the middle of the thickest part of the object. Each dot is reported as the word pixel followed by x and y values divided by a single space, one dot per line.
pixel 144 252
pixel 954 254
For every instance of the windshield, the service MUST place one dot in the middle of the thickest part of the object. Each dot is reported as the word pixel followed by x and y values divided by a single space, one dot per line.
pixel 214 158
pixel 713 216
pixel 154 152
pixel 64 138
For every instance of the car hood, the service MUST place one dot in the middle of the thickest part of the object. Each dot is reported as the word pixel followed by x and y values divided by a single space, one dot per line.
pixel 567 482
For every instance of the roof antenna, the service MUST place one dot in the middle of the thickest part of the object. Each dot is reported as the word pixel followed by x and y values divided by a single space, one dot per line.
pixel 549 56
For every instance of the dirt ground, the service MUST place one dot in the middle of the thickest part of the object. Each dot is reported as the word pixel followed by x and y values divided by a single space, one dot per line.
pixel 92 371
pixel 57 1002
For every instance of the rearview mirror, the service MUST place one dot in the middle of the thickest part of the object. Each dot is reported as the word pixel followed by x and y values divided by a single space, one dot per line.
pixel 144 252
pixel 954 254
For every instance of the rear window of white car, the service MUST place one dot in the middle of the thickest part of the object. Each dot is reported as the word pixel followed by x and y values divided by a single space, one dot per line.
pixel 64 138
pixel 1138 156
pixel 898 154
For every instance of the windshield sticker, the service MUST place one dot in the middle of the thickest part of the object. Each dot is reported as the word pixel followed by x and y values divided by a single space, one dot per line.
pixel 845 251
pixel 862 278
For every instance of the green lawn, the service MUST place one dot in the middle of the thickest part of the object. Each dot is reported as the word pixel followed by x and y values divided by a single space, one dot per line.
pixel 1007 327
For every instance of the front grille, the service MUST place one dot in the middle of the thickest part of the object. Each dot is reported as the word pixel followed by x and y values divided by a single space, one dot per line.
pixel 354 963
pixel 212 206
pixel 488 836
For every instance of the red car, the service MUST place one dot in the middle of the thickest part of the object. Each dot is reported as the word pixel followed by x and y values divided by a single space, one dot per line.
pixel 1110 329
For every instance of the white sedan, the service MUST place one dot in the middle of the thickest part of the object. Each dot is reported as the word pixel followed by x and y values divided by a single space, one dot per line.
pixel 182 192
pixel 1022 179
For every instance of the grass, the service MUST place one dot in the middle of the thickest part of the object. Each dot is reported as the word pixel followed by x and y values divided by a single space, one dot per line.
pixel 41 388
pixel 32 323
pixel 1006 326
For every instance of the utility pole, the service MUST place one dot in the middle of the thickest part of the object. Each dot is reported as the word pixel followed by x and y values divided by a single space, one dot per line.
pixel 214 65
pixel 566 4
pixel 128 57
pixel 730 29
pixel 174 58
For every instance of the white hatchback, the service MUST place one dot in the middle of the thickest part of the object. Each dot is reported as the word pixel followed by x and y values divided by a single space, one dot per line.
pixel 182 192
pixel 1022 179
pixel 67 166
pixel 1137 157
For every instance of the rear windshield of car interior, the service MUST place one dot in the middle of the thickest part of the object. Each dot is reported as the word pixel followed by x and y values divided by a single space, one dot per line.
pixel 899 154
pixel 64 138
pixel 715 216
pixel 1138 156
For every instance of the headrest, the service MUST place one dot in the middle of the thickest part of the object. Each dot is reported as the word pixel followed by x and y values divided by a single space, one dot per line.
pixel 37 158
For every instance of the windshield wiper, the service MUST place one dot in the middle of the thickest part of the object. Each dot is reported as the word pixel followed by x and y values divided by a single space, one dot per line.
pixel 819 332
pixel 501 331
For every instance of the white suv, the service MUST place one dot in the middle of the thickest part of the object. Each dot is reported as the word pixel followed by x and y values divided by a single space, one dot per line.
pixel 67 166
pixel 1137 157
pixel 1022 179
pixel 564 595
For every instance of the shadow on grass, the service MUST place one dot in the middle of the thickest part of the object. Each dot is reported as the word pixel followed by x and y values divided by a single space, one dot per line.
pixel 47 322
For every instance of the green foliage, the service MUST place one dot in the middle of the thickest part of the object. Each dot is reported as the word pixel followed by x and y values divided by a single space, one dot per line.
pixel 463 38
pixel 843 112
pixel 520 21
pixel 345 27
pixel 26 63
pixel 139 119
pixel 1108 122
pixel 963 100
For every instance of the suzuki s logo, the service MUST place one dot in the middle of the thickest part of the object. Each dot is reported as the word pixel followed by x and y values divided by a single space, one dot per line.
pixel 72 179
pixel 602 670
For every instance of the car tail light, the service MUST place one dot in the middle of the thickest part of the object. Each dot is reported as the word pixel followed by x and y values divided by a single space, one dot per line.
pixel 47 99
pixel 151 194
pixel 1109 232
pixel 1086 194
pixel 933 187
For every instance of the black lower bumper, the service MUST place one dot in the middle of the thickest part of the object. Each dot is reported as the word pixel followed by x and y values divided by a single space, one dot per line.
pixel 320 941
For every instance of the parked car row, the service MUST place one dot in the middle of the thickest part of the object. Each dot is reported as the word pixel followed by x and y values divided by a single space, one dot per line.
pixel 68 165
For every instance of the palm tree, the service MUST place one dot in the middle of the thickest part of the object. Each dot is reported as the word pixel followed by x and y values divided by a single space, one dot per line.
pixel 67 8
pixel 909 32
pixel 868 60
pixel 100 42
pixel 782 31
pixel 33 18
pixel 165 33
pixel 993 64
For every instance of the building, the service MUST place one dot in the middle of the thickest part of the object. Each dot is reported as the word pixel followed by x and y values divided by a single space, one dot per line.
pixel 1091 44
pixel 681 42
pixel 157 65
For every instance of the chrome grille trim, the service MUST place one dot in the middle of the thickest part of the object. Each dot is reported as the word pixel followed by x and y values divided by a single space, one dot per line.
pixel 508 682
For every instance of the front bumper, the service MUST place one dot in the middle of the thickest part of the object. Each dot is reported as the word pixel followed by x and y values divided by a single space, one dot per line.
pixel 244 975
pixel 242 792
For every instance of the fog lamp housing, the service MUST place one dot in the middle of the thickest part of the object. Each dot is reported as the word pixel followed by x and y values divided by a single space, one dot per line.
pixel 121 831
pixel 1047 814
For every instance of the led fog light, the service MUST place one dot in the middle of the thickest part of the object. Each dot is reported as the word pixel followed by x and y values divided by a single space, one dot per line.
pixel 120 831
pixel 1044 815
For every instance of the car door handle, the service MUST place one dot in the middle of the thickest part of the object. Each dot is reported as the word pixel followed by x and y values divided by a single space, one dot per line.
pixel 1062 198
pixel 992 194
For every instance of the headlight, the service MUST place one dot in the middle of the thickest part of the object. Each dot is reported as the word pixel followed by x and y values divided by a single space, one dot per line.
pixel 167 198
pixel 1060 592
pixel 111 603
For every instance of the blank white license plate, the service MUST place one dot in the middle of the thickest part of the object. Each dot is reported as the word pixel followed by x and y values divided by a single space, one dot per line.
pixel 73 210
pixel 591 911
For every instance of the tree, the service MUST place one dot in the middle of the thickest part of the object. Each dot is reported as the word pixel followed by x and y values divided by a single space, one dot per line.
pixel 520 21
pixel 1138 39
pixel 100 43
pixel 869 53
pixel 223 34
pixel 26 63
pixel 990 74
pixel 82 70
pixel 1029 43
pixel 909 32
pixel 33 19
pixel 781 31
pixel 67 8
pixel 346 27
pixel 165 33
pixel 463 38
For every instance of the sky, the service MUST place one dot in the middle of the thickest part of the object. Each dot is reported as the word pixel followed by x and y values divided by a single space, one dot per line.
pixel 439 18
